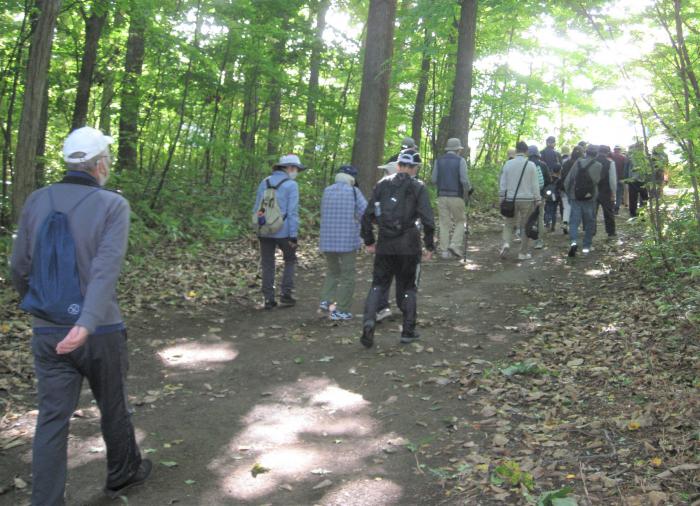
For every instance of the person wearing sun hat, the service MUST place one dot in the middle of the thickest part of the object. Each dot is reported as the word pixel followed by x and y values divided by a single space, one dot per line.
pixel 95 346
pixel 452 181
pixel 342 207
pixel 282 179
pixel 397 203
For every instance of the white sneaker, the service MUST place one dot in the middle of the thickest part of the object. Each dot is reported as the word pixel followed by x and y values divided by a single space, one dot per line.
pixel 586 251
pixel 539 244
pixel 504 250
pixel 524 256
pixel 445 255
pixel 383 314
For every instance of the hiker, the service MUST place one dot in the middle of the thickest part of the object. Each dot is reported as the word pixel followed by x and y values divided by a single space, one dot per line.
pixel 638 194
pixel 452 181
pixel 552 202
pixel 511 153
pixel 406 143
pixel 565 154
pixel 384 311
pixel 277 213
pixel 620 164
pixel 551 156
pixel 544 179
pixel 581 185
pixel 607 189
pixel 342 207
pixel 519 184
pixel 397 203
pixel 66 260
pixel 659 166
pixel 576 153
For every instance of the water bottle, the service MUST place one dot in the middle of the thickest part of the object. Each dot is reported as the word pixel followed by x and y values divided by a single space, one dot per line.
pixel 377 209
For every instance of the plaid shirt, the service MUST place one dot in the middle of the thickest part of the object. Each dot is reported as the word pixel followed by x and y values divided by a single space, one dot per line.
pixel 341 212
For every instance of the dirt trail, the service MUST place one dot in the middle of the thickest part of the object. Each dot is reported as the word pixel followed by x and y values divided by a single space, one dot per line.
pixel 220 391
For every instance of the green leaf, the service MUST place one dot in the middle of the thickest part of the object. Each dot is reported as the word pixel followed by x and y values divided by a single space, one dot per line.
pixel 168 463
pixel 258 469
pixel 190 482
pixel 557 498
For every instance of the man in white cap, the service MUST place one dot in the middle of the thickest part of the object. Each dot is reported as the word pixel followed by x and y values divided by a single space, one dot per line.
pixel 406 144
pixel 94 344
pixel 282 181
pixel 450 176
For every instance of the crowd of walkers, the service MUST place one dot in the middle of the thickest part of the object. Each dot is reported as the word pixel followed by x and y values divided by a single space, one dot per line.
pixel 577 184
pixel 72 239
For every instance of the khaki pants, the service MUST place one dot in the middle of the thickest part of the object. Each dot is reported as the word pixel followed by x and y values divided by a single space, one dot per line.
pixel 339 286
pixel 523 210
pixel 452 216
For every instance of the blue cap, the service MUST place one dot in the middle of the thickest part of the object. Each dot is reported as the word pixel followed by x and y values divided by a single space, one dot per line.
pixel 349 170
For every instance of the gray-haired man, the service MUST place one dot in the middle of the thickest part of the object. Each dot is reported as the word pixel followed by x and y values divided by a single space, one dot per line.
pixel 95 347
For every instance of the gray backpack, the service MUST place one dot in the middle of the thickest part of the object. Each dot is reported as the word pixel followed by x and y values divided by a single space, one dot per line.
pixel 268 219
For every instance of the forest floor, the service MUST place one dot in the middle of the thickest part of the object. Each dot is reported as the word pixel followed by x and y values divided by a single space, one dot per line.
pixel 531 378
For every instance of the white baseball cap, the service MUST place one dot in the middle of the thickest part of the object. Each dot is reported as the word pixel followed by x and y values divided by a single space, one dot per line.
pixel 390 167
pixel 290 159
pixel 84 144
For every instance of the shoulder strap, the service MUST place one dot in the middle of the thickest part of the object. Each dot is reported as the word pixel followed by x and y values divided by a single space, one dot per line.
pixel 520 180
pixel 275 187
pixel 76 205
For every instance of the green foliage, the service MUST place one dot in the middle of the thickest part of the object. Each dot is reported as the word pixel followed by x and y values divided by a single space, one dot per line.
pixel 510 474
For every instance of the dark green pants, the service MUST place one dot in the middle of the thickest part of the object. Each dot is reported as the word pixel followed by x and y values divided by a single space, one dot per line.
pixel 340 279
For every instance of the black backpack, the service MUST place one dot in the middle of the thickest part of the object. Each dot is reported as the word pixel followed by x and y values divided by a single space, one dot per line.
pixel 397 205
pixel 584 187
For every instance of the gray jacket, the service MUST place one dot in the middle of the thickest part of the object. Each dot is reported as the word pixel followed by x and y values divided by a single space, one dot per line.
pixel 594 169
pixel 100 230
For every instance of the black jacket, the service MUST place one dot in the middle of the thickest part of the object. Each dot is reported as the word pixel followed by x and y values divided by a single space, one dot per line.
pixel 408 243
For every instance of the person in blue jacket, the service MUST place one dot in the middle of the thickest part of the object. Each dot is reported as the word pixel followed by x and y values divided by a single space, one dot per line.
pixel 283 176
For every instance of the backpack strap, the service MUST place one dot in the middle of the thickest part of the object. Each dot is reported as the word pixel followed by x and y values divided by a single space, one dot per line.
pixel 75 206
pixel 270 186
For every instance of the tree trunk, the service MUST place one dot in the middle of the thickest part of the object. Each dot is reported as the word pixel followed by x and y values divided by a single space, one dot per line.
pixel 35 86
pixel 130 100
pixel 106 102
pixel 275 117
pixel 217 106
pixel 368 147
pixel 461 94
pixel 310 138
pixel 419 108
pixel 93 30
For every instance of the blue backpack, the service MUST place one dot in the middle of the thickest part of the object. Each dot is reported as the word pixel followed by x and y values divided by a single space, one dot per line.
pixel 54 283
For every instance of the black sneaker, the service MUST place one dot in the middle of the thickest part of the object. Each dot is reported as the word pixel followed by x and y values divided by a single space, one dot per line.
pixel 409 337
pixel 367 338
pixel 138 478
pixel 270 304
pixel 573 249
pixel 287 301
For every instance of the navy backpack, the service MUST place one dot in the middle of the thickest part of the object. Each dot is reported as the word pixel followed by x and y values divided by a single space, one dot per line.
pixel 54 283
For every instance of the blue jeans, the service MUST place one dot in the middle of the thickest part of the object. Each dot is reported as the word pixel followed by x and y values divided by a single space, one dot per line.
pixel 582 211
pixel 619 195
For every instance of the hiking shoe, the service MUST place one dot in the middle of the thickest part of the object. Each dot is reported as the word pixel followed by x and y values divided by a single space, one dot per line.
pixel 383 314
pixel 565 228
pixel 504 250
pixel 572 249
pixel 453 252
pixel 141 474
pixel 287 301
pixel 539 244
pixel 367 338
pixel 340 316
pixel 586 251
pixel 524 256
pixel 270 304
pixel 324 305
pixel 445 255
pixel 409 337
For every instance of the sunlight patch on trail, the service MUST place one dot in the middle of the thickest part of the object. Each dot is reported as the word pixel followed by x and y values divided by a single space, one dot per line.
pixel 364 493
pixel 303 434
pixel 193 355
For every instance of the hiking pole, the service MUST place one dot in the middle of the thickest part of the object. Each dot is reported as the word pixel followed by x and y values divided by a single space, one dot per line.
pixel 466 229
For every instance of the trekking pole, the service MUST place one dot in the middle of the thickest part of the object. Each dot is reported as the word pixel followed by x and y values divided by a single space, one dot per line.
pixel 466 229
